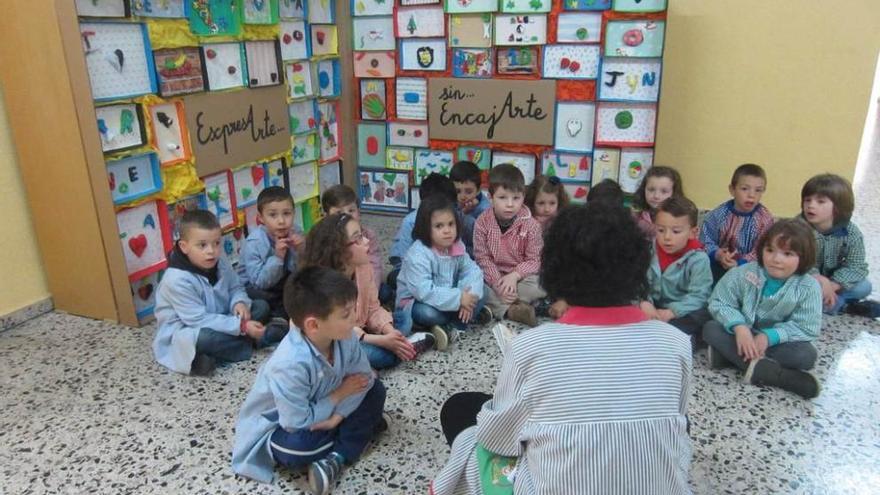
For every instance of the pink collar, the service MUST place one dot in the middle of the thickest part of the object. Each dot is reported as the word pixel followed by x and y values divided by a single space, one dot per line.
pixel 612 315
pixel 457 249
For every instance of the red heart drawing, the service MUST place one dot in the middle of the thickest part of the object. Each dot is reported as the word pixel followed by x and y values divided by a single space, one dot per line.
pixel 320 36
pixel 112 178
pixel 287 38
pixel 257 174
pixel 580 193
pixel 138 245
pixel 311 122
pixel 575 66
pixel 564 63
pixel 297 67
pixel 417 133
pixel 145 291
pixel 372 145
pixel 210 54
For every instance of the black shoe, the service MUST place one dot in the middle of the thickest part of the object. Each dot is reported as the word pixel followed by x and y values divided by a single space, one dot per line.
pixel 542 307
pixel 323 474
pixel 276 330
pixel 484 317
pixel 716 360
pixel 766 371
pixel 866 308
pixel 422 341
pixel 203 365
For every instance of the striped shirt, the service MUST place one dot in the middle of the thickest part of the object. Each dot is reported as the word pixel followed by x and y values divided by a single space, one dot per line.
pixel 725 227
pixel 518 249
pixel 840 255
pixel 582 413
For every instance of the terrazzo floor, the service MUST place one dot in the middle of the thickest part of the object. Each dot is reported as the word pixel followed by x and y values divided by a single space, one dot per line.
pixel 85 409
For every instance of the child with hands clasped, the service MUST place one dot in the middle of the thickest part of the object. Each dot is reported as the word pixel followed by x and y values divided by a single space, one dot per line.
pixel 315 403
pixel 659 184
pixel 767 312
pixel 545 196
pixel 439 284
pixel 467 179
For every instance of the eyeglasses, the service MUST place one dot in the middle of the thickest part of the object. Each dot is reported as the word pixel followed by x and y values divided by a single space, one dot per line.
pixel 357 239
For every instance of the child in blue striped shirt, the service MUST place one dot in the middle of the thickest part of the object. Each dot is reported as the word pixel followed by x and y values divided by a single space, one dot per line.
pixel 767 312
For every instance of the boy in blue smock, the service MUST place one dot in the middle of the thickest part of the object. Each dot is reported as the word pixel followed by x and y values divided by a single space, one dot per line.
pixel 315 403
pixel 203 313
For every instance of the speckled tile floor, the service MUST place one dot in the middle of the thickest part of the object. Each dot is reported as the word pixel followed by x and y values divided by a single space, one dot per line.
pixel 86 410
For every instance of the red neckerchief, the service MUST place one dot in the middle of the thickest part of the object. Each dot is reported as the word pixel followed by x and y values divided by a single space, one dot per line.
pixel 666 259
pixel 611 315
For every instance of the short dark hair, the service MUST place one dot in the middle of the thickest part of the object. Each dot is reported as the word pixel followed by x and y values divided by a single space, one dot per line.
pixel 336 196
pixel 679 206
pixel 316 291
pixel 327 243
pixel 748 169
pixel 835 188
pixel 794 234
pixel 549 185
pixel 201 219
pixel 595 255
pixel 507 176
pixel 465 171
pixel 435 183
pixel 272 194
pixel 606 191
pixel 422 228
pixel 670 173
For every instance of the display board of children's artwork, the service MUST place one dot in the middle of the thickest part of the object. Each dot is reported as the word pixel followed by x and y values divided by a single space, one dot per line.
pixel 204 104
pixel 564 88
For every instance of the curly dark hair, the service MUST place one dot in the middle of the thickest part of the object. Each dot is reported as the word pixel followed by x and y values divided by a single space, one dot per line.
pixel 640 202
pixel 327 243
pixel 422 228
pixel 596 256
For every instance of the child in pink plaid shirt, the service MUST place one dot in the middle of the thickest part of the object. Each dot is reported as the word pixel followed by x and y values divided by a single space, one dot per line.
pixel 507 245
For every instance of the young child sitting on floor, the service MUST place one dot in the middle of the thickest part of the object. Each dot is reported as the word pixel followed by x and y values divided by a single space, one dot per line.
pixel 827 204
pixel 439 284
pixel 467 179
pixel 658 184
pixel 767 312
pixel 507 246
pixel 545 196
pixel 731 231
pixel 315 402
pixel 679 276
pixel 270 250
pixel 203 313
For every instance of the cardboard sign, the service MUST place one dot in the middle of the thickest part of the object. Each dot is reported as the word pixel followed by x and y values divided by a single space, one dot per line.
pixel 498 111
pixel 230 129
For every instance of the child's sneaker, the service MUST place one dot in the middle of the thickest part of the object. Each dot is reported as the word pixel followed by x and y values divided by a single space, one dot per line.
pixel 542 307
pixel 716 360
pixel 484 317
pixel 523 313
pixel 324 473
pixel 865 307
pixel 422 341
pixel 441 338
pixel 454 335
pixel 276 330
pixel 766 371
pixel 203 365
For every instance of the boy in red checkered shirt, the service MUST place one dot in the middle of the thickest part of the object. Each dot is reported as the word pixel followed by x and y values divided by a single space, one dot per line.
pixel 507 245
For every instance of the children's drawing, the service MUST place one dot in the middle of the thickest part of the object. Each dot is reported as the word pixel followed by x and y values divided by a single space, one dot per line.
pixel 423 54
pixel 413 134
pixel 329 78
pixel 630 79
pixel 373 33
pixel 145 238
pixel 634 38
pixel 328 129
pixel 412 101
pixel 143 293
pixel 412 3
pixel 577 193
pixel 432 161
pixel 248 182
pixel 525 162
pixel 481 157
pixel 179 70
pixel 373 99
pixel 324 40
pixel 569 167
pixel 214 17
pixel 606 164
pixel 384 190
pixel 525 6
pixel 231 243
pixel 157 8
pixel 472 62
pixel 470 6
pixel 260 12
pixel 299 79
pixel 224 65
pixel 574 126
pixel 306 148
pixel 371 7
pixel 251 217
pixel 399 158
pixel 304 181
pixel 639 5
pixel 371 145
pixel 634 163
pixel 626 124
pixel 220 198
pixel 571 61
pixel 292 9
pixel 169 135
pixel 303 116
pixel 519 30
pixel 586 4
pixel 117 59
pixel 121 127
pixel 294 40
pixel 263 63
pixel 134 177
pixel 180 207
pixel 276 173
pixel 517 60
pixel 374 64
pixel 420 22
pixel 579 27
pixel 103 8
pixel 470 30
pixel 329 175
pixel 321 11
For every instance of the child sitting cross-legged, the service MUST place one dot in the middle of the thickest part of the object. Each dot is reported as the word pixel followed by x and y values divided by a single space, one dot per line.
pixel 315 403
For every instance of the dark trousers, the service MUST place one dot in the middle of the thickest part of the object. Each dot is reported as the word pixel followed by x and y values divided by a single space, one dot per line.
pixel 295 449
pixel 794 355
pixel 459 412
pixel 274 297
pixel 692 323
pixel 232 348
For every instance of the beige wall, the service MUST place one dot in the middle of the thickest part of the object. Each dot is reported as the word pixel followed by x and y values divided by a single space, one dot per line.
pixel 22 281
pixel 782 83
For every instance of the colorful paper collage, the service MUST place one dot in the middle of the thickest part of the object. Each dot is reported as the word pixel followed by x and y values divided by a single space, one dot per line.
pixel 432 161
pixel 371 7
pixel 169 9
pixel 525 162
pixel 143 293
pixel 145 237
pixel 329 78
pixel 134 177
pixel 472 62
pixel 579 27
pixel 525 6
pixel 634 163
pixel 373 33
pixel 231 243
pixel 276 173
pixel 569 167
pixel 373 99
pixel 107 8
pixel 221 198
pixel 263 63
pixel 324 40
pixel 180 207
pixel 121 127
pixel 304 181
pixel 329 175
pixel 303 116
pixel 571 61
pixel 375 64
pixel 399 158
pixel 412 3
pixel 214 17
pixel 520 30
pixel 321 11
pixel 574 126
pixel 419 22
pixel 626 124
pixel 413 134
pixel 306 148
pixel 248 182
pixel 470 30
pixel 577 193
pixel 634 38
pixel 292 9
pixel 294 40
pixel 224 66
pixel 179 70
pixel 586 4
pixel 481 157
pixel 118 60
pixel 169 136
pixel 260 12
pixel 371 145
pixel 630 79
pixel 412 98
pixel 520 61
pixel 299 79
pixel 328 130
pixel 384 190
pixel 639 5
pixel 606 164
pixel 470 6
pixel 423 54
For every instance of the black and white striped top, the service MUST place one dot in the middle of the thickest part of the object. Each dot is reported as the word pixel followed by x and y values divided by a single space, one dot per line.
pixel 588 408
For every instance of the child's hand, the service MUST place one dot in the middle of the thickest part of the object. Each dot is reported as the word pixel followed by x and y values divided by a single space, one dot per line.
pixel 507 284
pixel 465 315
pixel 295 240
pixel 468 300
pixel 558 309
pixel 281 246
pixel 395 342
pixel 254 330
pixel 352 384
pixel 468 206
pixel 665 315
pixel 241 309
pixel 745 343
pixel 649 310
pixel 761 344
pixel 328 424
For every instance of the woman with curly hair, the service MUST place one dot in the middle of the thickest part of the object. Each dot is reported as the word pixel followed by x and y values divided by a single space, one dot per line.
pixel 337 242
pixel 594 403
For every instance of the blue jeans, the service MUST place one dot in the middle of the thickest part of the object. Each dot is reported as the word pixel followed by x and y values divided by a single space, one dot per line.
pixel 295 449
pixel 233 348
pixel 858 292
pixel 427 316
